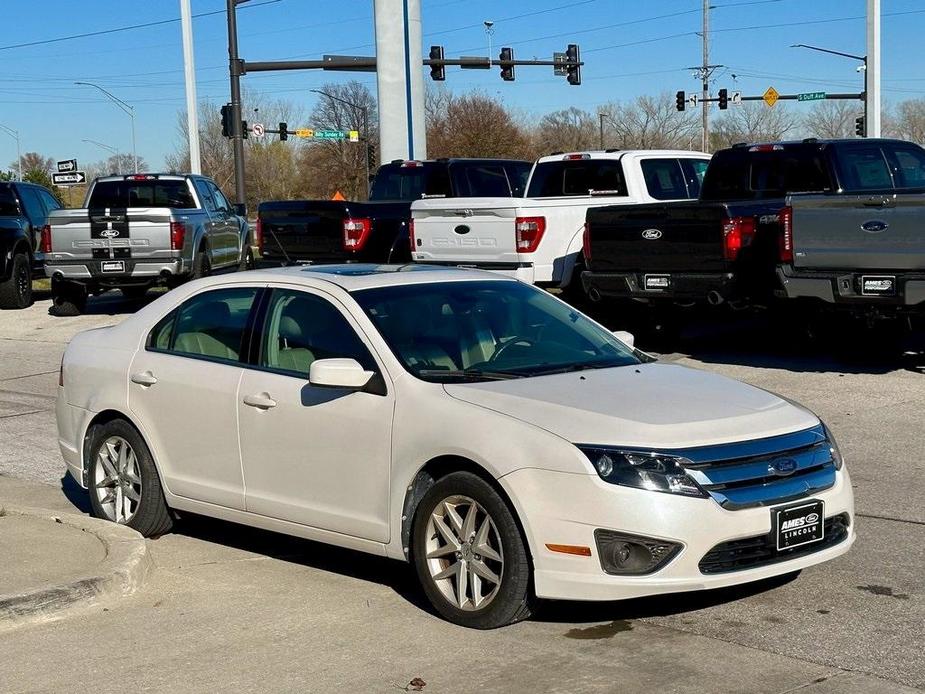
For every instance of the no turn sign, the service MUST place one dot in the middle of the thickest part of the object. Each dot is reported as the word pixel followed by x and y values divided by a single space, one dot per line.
pixel 258 129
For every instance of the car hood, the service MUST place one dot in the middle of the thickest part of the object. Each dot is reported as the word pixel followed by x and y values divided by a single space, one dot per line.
pixel 659 406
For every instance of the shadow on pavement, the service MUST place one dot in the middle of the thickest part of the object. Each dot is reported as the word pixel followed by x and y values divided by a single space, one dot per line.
pixel 76 495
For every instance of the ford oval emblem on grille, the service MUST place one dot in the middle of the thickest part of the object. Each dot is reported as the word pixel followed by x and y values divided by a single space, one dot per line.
pixel 462 229
pixel 874 226
pixel 109 233
pixel 782 467
pixel 652 234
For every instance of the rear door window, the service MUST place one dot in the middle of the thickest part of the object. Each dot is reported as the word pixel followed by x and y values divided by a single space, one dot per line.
pixel 205 196
pixel 908 165
pixel 864 168
pixel 153 193
pixel 664 179
pixel 746 173
pixel 210 325
pixel 694 171
pixel 517 174
pixel 9 207
pixel 35 211
pixel 50 201
pixel 577 177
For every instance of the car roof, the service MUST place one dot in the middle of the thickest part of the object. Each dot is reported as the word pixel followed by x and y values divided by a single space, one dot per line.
pixel 620 153
pixel 354 276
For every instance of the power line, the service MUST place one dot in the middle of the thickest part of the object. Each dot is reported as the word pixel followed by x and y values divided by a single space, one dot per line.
pixel 131 27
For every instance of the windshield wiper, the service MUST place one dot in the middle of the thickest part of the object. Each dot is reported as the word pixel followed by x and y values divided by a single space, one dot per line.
pixel 583 366
pixel 470 374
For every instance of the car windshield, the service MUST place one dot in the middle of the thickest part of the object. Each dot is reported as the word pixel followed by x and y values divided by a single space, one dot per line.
pixel 481 330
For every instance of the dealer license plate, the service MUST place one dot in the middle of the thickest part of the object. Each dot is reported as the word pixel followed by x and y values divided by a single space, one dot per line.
pixel 799 525
pixel 113 266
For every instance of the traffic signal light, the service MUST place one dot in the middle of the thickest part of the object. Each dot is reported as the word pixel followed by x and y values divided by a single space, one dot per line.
pixel 244 130
pixel 680 100
pixel 573 56
pixel 507 66
pixel 283 132
pixel 723 99
pixel 859 127
pixel 226 121
pixel 437 72
pixel 371 156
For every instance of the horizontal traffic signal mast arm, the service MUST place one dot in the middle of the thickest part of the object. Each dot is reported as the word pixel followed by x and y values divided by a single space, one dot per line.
pixel 784 97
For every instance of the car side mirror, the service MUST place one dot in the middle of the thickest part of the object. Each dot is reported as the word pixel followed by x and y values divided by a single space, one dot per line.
pixel 626 338
pixel 338 373
pixel 240 209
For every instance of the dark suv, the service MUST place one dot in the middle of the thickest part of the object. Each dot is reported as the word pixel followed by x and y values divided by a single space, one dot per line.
pixel 24 208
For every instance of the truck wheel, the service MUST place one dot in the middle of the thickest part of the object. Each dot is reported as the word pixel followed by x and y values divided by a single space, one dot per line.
pixel 16 292
pixel 134 293
pixel 67 298
pixel 202 266
pixel 574 293
pixel 470 555
pixel 247 259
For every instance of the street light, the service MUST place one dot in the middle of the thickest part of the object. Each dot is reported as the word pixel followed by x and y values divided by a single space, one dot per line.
pixel 365 110
pixel 602 115
pixel 15 134
pixel 125 107
pixel 114 151
pixel 862 58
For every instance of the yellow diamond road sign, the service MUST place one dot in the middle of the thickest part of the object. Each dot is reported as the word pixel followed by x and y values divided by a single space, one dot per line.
pixel 304 132
pixel 771 96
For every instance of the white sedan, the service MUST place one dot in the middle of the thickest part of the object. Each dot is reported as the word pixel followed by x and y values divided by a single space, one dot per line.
pixel 508 446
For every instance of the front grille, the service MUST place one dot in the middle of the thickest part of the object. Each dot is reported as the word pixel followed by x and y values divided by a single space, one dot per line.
pixel 752 552
pixel 764 472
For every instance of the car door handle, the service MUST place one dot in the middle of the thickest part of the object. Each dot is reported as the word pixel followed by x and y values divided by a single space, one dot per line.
pixel 262 401
pixel 875 202
pixel 145 378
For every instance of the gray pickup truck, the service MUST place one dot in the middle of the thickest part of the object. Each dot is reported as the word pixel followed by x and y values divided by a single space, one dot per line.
pixel 138 231
pixel 865 249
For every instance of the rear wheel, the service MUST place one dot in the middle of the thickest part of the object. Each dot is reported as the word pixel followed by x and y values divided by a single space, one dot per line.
pixel 67 298
pixel 470 555
pixel 124 485
pixel 247 258
pixel 16 292
pixel 136 292
pixel 202 265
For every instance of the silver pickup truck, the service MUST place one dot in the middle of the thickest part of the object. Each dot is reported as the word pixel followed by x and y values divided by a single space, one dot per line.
pixel 138 231
pixel 863 250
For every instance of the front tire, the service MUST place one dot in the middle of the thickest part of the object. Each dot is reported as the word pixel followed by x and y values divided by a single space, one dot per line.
pixel 16 292
pixel 470 555
pixel 124 485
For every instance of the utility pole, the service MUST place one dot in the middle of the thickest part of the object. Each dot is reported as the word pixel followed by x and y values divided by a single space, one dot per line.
pixel 705 75
pixel 189 69
pixel 601 116
pixel 237 131
pixel 15 134
pixel 872 74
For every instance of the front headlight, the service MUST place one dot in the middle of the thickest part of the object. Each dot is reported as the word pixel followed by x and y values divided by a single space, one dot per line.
pixel 655 472
pixel 833 447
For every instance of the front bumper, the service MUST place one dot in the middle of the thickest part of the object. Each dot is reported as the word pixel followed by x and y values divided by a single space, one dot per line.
pixel 681 286
pixel 565 509
pixel 845 287
pixel 135 272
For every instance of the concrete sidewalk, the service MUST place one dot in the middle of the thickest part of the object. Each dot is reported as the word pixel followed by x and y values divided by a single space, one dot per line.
pixel 56 561
pixel 233 608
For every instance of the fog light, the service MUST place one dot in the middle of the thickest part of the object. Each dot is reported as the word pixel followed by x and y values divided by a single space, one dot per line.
pixel 633 555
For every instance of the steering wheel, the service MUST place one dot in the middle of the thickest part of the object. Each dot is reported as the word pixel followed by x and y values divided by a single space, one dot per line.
pixel 516 340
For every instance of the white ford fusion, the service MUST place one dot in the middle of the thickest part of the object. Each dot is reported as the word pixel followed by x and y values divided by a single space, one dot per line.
pixel 502 442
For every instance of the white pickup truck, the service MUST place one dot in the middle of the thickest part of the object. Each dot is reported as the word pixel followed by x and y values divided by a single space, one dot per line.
pixel 538 238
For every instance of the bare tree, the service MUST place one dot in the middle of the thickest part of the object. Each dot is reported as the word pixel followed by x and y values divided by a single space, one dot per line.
pixel 831 119
pixel 476 125
pixel 908 121
pixel 753 122
pixel 566 130
pixel 650 122
pixel 34 162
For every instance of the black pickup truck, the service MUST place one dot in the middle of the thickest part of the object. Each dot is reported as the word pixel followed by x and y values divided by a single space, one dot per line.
pixel 24 208
pixel 335 231
pixel 839 221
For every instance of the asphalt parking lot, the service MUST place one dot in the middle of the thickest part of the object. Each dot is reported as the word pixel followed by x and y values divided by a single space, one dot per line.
pixel 229 606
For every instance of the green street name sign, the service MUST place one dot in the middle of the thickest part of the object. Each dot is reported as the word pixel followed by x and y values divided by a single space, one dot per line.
pixel 811 96
pixel 330 135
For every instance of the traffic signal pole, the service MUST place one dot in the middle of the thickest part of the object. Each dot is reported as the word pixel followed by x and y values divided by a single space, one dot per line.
pixel 236 69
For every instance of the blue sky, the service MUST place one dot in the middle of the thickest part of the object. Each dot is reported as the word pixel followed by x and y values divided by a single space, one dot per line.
pixel 630 48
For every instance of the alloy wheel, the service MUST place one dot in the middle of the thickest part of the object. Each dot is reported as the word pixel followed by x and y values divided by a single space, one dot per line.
pixel 23 281
pixel 117 480
pixel 463 553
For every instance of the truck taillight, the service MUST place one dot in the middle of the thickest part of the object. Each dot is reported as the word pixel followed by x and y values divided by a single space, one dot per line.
pixel 258 235
pixel 586 244
pixel 411 234
pixel 786 236
pixel 356 231
pixel 529 232
pixel 738 233
pixel 46 238
pixel 177 235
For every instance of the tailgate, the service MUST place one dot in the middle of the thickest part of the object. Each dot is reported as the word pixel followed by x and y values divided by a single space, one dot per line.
pixel 101 234
pixel 670 238
pixel 465 230
pixel 859 232
pixel 304 230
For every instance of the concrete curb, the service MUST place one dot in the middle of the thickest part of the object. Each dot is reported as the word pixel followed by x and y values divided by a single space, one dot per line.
pixel 122 571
